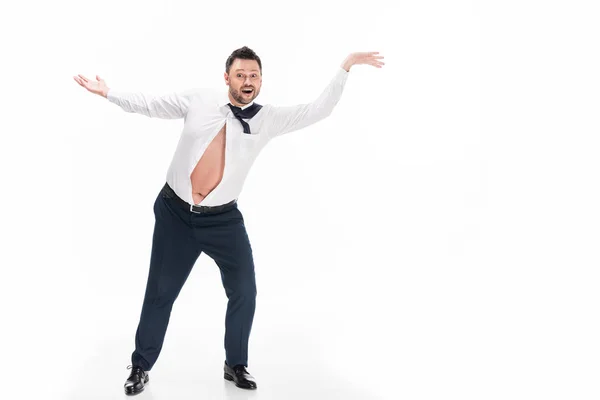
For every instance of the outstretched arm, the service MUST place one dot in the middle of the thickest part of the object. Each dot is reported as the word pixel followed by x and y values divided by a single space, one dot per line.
pixel 288 119
pixel 169 106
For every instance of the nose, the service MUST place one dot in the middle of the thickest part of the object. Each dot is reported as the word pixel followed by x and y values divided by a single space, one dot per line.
pixel 247 82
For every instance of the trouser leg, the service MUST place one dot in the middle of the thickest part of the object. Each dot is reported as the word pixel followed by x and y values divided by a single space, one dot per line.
pixel 174 253
pixel 229 246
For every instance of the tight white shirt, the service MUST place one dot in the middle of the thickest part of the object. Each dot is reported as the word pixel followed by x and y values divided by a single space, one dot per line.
pixel 205 111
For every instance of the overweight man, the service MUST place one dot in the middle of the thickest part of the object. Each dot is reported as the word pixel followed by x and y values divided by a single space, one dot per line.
pixel 196 210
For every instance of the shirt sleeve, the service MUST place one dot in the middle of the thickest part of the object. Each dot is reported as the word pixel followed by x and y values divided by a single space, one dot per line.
pixel 169 106
pixel 283 120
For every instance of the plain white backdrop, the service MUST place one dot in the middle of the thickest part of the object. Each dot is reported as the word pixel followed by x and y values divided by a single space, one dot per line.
pixel 436 237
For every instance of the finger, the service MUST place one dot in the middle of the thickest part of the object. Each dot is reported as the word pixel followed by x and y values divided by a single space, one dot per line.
pixel 83 78
pixel 374 59
pixel 98 78
pixel 78 80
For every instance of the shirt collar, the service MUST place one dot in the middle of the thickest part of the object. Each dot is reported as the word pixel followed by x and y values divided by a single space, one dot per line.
pixel 247 105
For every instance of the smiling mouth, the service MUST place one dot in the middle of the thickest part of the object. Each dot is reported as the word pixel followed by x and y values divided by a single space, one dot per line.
pixel 247 91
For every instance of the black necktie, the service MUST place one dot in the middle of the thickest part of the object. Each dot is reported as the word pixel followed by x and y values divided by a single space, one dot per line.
pixel 245 113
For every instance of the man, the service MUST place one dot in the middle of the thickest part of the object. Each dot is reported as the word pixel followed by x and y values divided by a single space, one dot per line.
pixel 196 210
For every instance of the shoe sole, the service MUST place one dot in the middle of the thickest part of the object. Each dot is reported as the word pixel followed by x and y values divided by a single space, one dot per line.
pixel 146 381
pixel 230 378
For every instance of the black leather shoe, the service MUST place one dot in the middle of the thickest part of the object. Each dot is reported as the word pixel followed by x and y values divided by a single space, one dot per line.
pixel 240 376
pixel 136 381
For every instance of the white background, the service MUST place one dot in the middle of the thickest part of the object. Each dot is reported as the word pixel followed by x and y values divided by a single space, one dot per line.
pixel 435 238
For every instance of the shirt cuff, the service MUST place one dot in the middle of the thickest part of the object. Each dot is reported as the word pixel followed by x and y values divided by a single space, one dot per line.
pixel 111 95
pixel 342 74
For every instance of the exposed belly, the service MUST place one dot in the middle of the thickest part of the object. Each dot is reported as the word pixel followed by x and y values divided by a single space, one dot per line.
pixel 208 172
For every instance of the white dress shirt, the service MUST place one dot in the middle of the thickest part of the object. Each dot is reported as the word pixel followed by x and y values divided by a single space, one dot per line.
pixel 205 111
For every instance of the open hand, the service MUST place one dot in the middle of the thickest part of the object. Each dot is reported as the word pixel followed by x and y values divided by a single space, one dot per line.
pixel 97 87
pixel 371 58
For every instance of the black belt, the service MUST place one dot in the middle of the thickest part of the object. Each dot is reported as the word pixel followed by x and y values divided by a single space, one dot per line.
pixel 194 208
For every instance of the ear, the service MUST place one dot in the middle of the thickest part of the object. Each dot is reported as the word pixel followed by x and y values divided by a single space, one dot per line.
pixel 226 77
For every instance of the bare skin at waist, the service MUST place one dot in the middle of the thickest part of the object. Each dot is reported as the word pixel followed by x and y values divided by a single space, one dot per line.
pixel 208 172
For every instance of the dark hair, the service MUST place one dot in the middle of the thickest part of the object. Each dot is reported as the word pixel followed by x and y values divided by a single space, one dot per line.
pixel 243 53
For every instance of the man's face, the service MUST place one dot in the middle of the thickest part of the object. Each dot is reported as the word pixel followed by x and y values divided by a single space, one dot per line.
pixel 243 76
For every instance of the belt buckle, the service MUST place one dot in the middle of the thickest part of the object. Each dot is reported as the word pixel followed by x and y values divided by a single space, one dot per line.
pixel 194 211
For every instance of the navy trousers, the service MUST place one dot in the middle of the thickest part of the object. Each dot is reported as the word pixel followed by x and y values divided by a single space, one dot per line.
pixel 180 236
